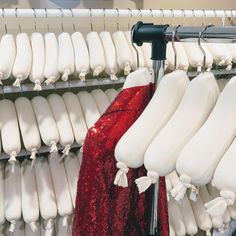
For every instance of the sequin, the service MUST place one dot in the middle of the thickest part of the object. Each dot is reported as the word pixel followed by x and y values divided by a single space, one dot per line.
pixel 102 208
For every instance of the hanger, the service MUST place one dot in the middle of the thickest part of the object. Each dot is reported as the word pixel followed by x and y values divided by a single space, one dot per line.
pixel 62 17
pixel 72 14
pixel 104 19
pixel 117 22
pixel 3 16
pixel 46 15
pixel 16 15
pixel 91 21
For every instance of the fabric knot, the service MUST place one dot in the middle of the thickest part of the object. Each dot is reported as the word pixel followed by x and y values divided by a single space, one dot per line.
pixel 65 75
pixel 65 221
pixel 127 68
pixel 53 147
pixel 49 224
pixel 113 77
pixel 217 208
pixel 37 86
pixel 65 152
pixel 33 226
pixel 33 157
pixel 121 176
pixel 12 161
pixel 145 182
pixel 97 71
pixel 178 192
pixel 50 80
pixel 12 226
pixel 82 75
pixel 18 81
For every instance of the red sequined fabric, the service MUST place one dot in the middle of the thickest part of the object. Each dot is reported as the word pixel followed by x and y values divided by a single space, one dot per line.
pixel 103 209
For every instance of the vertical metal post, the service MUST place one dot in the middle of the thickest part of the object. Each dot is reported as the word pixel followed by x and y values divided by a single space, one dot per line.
pixel 158 70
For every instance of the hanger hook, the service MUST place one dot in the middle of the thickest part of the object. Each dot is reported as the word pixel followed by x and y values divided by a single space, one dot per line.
pixel 172 17
pixel 204 18
pixel 90 17
pixel 72 14
pixel 140 13
pixel 131 15
pixel 184 16
pixel 16 15
pixel 104 19
pixel 231 18
pixel 118 16
pixel 136 50
pixel 163 16
pixel 224 18
pixel 174 32
pixel 200 46
pixel 35 27
pixel 3 16
pixel 62 16
pixel 46 15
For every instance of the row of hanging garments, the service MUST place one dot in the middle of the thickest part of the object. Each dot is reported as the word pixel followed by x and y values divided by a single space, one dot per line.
pixel 49 58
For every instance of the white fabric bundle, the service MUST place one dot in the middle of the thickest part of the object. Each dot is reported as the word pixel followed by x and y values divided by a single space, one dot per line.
pixel 38 60
pixel 66 58
pixel 111 94
pixel 72 166
pixel 124 54
pixel 46 195
pixel 51 72
pixel 81 55
pixel 29 195
pixel 185 208
pixel 46 123
pixel 76 116
pixel 2 197
pixel 7 56
pixel 62 192
pixel 146 49
pixel 232 50
pixel 19 229
pixel 111 67
pixel 89 107
pixel 199 158
pixel 134 53
pixel 182 62
pixel 220 54
pixel 66 136
pixel 202 218
pixel 176 218
pixel 28 126
pixel 30 232
pixel 224 180
pixel 11 144
pixel 101 100
pixel 171 230
pixel 23 60
pixel 195 56
pixel 96 53
pixel 194 108
pixel 130 149
pixel 12 194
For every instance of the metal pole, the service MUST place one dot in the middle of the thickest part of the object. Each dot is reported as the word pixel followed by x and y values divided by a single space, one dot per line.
pixel 158 70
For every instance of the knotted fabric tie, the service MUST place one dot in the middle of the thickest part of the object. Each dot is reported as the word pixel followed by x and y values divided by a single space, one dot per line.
pixel 121 176
pixel 217 208
pixel 65 152
pixel 145 182
pixel 178 192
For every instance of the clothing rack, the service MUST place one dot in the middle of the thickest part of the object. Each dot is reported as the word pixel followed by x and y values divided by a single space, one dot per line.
pixel 54 13
pixel 158 36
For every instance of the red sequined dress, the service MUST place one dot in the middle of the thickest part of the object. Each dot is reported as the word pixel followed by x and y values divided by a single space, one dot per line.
pixel 102 208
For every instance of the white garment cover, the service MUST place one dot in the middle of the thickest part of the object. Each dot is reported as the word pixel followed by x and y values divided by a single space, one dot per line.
pixel 161 155
pixel 130 149
pixel 199 158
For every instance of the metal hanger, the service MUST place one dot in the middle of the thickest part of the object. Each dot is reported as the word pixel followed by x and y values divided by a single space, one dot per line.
pixel 3 17
pixel 117 22
pixel 73 17
pixel 16 15
pixel 62 17
pixel 46 15
pixel 35 27
pixel 104 19
pixel 174 33
pixel 91 23
pixel 201 48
